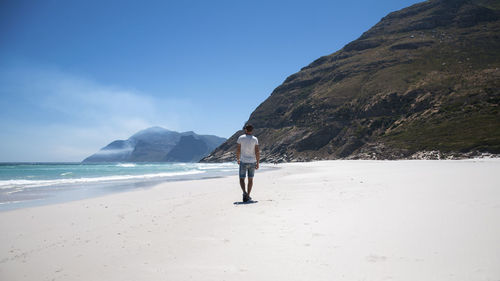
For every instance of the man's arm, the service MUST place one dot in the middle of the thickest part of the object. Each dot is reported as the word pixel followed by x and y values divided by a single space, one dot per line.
pixel 257 156
pixel 238 153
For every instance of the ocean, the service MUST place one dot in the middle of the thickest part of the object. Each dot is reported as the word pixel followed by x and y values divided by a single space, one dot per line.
pixel 34 184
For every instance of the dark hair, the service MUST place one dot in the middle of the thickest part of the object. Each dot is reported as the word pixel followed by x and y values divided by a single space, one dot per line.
pixel 248 127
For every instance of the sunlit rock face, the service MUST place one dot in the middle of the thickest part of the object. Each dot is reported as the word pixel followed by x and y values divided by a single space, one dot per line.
pixel 424 79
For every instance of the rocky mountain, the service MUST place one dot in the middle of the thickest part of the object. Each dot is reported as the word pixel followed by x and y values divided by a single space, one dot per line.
pixel 425 80
pixel 157 144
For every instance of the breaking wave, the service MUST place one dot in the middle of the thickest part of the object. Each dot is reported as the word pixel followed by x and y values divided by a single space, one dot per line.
pixel 22 183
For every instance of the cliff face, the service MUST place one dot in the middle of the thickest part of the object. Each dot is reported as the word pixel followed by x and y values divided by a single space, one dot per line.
pixel 425 78
pixel 157 145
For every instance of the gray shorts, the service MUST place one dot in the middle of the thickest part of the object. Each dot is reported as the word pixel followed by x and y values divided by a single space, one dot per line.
pixel 247 167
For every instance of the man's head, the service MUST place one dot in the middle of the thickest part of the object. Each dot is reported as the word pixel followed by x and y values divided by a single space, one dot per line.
pixel 248 129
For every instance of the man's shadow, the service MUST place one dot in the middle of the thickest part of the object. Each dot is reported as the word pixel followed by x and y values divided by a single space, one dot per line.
pixel 245 203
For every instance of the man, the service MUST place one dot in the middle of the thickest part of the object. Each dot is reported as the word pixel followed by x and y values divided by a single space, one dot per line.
pixel 248 155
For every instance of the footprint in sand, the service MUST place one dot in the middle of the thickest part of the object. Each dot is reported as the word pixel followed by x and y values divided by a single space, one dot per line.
pixel 375 258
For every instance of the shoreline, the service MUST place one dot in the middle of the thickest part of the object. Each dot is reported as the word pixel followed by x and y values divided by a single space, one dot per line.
pixel 14 198
pixel 60 194
pixel 346 220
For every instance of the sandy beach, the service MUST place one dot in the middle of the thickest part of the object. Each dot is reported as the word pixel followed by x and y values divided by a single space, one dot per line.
pixel 331 220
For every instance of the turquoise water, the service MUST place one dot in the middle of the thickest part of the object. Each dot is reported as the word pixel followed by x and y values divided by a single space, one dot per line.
pixel 31 184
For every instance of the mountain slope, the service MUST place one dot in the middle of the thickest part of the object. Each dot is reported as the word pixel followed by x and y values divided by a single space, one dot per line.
pixel 156 144
pixel 189 149
pixel 424 78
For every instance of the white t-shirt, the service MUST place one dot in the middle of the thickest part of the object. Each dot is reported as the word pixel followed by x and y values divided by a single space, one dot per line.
pixel 248 143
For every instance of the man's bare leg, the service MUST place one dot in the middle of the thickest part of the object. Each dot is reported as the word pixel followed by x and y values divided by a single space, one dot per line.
pixel 242 184
pixel 250 184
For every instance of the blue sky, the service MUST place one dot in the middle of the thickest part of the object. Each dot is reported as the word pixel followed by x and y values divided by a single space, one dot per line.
pixel 76 75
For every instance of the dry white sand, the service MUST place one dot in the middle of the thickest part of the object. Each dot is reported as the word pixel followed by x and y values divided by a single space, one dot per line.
pixel 334 220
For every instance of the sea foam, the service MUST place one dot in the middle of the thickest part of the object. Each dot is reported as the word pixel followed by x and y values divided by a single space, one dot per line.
pixel 8 184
